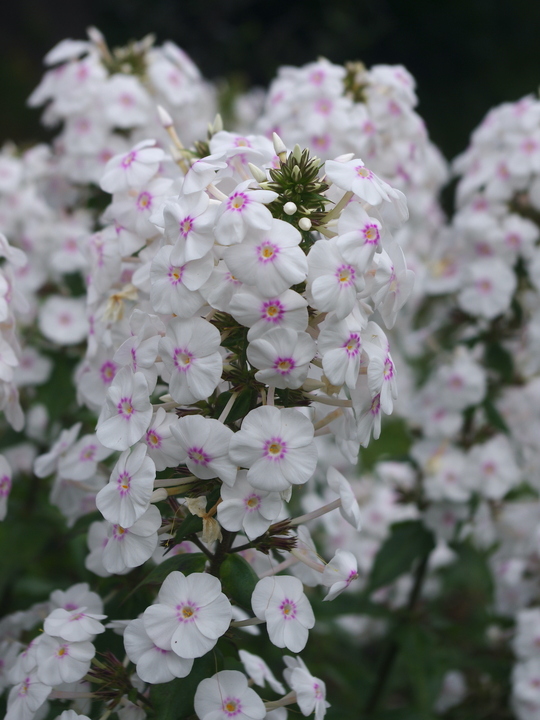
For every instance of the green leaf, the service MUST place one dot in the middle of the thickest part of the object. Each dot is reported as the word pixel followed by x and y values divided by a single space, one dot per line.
pixel 497 357
pixel 174 700
pixel 189 525
pixel 408 541
pixel 238 579
pixel 494 417
pixel 422 666
pixel 186 563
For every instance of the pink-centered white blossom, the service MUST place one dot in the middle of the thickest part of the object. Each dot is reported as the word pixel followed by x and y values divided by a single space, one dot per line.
pixel 226 695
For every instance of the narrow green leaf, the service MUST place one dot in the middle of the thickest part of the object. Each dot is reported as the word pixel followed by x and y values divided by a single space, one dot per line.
pixel 408 541
pixel 238 579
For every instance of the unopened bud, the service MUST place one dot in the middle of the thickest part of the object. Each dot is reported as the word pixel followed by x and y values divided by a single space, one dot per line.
pixel 258 174
pixel 95 35
pixel 297 152
pixel 296 173
pixel 344 158
pixel 218 124
pixel 289 208
pixel 164 117
pixel 304 224
pixel 279 147
pixel 159 495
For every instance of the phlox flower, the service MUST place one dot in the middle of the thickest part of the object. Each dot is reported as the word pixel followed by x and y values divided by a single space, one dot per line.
pixel 139 350
pixel 396 283
pixel 126 103
pixel 80 461
pixel 339 573
pixel 189 220
pixel 492 467
pixel 61 661
pixel 245 508
pixel 242 212
pixel 359 236
pixel 282 356
pixel 133 169
pixel 261 314
pixel 340 344
pixel 63 320
pixel 191 357
pixel 349 509
pixel 175 281
pixel 355 177
pixel 127 495
pixel 226 695
pixel 281 603
pixel 73 625
pixel 133 211
pixel 26 698
pixel 203 172
pixel 310 691
pixel 259 671
pixel 127 411
pixel 277 446
pixel 162 446
pixel 154 665
pixel 205 443
pixel 46 464
pixel 270 260
pixel 488 288
pixel 190 615
pixel 332 282
pixel 381 376
pixel 132 546
pixel 77 597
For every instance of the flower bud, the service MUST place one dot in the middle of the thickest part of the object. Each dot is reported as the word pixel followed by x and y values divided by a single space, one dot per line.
pixel 258 174
pixel 164 117
pixel 289 208
pixel 279 147
pixel 304 224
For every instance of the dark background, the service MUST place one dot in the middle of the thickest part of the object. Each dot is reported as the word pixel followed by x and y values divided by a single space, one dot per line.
pixel 466 55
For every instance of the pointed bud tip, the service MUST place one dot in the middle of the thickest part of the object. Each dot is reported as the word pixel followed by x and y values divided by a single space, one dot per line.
pixel 164 117
pixel 279 145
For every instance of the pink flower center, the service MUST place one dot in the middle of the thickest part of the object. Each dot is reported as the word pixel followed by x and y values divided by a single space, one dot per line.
pixel 186 612
pixel 284 365
pixel 321 142
pixel 129 158
pixel 175 274
pixel 198 456
pixel 123 483
pixel 144 201
pixel 267 252
pixel 275 449
pixel 346 275
pixel 352 345
pixel 363 172
pixel 272 311
pixel 252 503
pixel 371 234
pixel 186 226
pixel 288 609
pixel 107 372
pixel 125 408
pixel 388 371
pixel 119 533
pixel 5 485
pixel 87 453
pixel 237 202
pixel 153 440
pixel 375 405
pixel 232 706
pixel 182 359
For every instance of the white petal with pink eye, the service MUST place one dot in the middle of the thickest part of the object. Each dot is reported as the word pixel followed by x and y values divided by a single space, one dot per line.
pixel 154 665
pixel 76 597
pixel 226 695
pixel 127 495
pixel 26 698
pixel 191 357
pixel 190 221
pixel 60 661
pixel 202 173
pixel 80 461
pixel 133 546
pixel 270 261
pixel 245 508
pixel 259 671
pixel 340 572
pixel 205 443
pixel 310 691
pixel 175 282
pixel 162 447
pixel 47 463
pixel 190 615
pixel 243 210
pixel 281 602
pixel 277 446
pixel 127 411
pixel 340 344
pixel 132 169
pixel 282 356
pixel 73 625
pixel 355 177
pixel 488 288
pixel 332 281
pixel 359 236
pixel 63 320
pixel 260 313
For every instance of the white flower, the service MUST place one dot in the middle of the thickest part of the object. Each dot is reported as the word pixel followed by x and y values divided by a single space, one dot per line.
pixel 260 313
pixel 359 236
pixel 127 411
pixel 26 698
pixel 162 446
pixel 154 665
pixel 244 210
pixel 339 573
pixel 489 286
pixel 333 282
pixel 349 506
pixel 129 547
pixel 277 446
pixel 271 261
pixel 226 695
pixel 63 320
pixel 340 344
pixel 493 468
pixel 205 442
pixel 355 177
pixel 77 597
pixel 61 661
pixel 190 615
pixel 190 220
pixel 73 625
pixel 281 602
pixel 46 464
pixel 282 356
pixel 190 354
pixel 127 495
pixel 80 461
pixel 310 691
pixel 259 671
pixel 132 169
pixel 245 508
pixel 176 281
